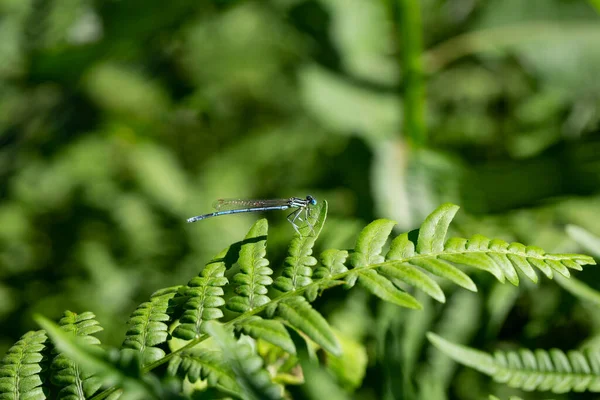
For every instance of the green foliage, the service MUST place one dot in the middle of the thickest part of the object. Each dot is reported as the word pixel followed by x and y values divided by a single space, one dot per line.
pixel 147 326
pixel 251 283
pixel 298 265
pixel 235 366
pixel 400 248
pixel 510 398
pixel 21 367
pixel 75 383
pixel 246 365
pixel 541 370
pixel 205 364
pixel 270 330
pixel 119 119
pixel 204 297
pixel 299 314
pixel 110 367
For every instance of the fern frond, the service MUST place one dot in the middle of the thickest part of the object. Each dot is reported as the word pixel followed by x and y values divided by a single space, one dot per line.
pixel 204 298
pixel 332 263
pixel 531 370
pixel 20 368
pixel 370 243
pixel 203 363
pixel 401 248
pixel 367 252
pixel 269 330
pixel 112 367
pixel 412 263
pixel 74 382
pixel 298 264
pixel 505 258
pixel 255 273
pixel 386 290
pixel 300 315
pixel 246 364
pixel 147 325
pixel 496 256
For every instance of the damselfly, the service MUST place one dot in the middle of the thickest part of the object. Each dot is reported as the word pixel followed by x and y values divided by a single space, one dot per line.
pixel 235 206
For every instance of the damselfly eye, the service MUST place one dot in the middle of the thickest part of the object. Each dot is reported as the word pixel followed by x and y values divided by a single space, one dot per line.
pixel 311 200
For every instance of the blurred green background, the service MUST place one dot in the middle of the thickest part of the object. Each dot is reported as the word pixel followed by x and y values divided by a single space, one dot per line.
pixel 121 118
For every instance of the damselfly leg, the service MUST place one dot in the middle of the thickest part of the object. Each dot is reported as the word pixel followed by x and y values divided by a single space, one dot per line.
pixel 292 219
pixel 307 211
pixel 295 215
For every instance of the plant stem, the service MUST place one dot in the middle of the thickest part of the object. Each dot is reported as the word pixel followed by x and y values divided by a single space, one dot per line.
pixel 409 32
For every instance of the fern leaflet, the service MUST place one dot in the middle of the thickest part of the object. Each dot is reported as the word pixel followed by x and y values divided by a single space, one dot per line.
pixel 75 383
pixel 298 312
pixel 246 364
pixel 332 261
pixel 298 264
pixel 367 252
pixel 401 247
pixel 255 273
pixel 531 370
pixel 269 330
pixel 203 363
pixel 21 367
pixel 204 299
pixel 148 326
pixel 112 367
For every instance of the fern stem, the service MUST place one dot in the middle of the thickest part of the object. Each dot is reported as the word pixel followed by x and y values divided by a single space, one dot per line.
pixel 409 29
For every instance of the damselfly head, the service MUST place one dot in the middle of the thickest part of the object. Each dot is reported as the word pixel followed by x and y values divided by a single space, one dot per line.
pixel 311 200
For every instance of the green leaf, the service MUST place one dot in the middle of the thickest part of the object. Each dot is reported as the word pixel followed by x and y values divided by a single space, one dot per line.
pixel 432 233
pixel 384 289
pixel 531 370
pixel 333 263
pixel 73 381
pixel 203 363
pixel 502 259
pixel 480 260
pixel 95 360
pixel 297 312
pixel 479 360
pixel 370 243
pixel 414 277
pixel 148 325
pixel 269 330
pixel 401 248
pixel 522 264
pixel 350 368
pixel 299 262
pixel 506 266
pixel 246 364
pixel 20 368
pixel 254 276
pixel 204 298
pixel 445 270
